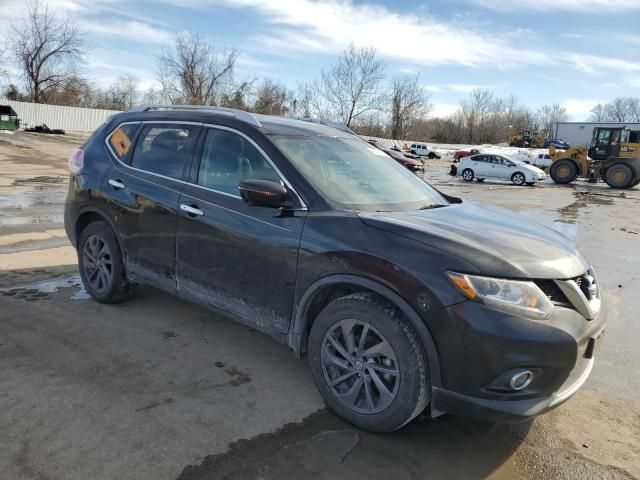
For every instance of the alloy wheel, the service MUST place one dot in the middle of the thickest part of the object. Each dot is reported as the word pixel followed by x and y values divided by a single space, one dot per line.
pixel 97 263
pixel 360 366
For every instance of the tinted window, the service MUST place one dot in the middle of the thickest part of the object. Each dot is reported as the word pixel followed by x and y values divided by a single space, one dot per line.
pixel 164 149
pixel 479 158
pixel 228 158
pixel 121 140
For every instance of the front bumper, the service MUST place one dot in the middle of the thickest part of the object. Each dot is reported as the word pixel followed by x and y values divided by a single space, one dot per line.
pixel 560 350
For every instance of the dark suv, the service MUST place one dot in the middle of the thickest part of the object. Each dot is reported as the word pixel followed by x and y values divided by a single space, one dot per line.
pixel 400 296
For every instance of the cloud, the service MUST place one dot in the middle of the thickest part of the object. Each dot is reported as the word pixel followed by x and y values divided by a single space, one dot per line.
pixel 432 88
pixel 327 26
pixel 131 29
pixel 443 109
pixel 596 64
pixel 580 109
pixel 600 6
pixel 467 87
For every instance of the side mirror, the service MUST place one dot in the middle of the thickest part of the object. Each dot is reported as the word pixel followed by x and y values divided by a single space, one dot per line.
pixel 263 193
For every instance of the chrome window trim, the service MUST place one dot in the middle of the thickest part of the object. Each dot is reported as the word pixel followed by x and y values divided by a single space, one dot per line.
pixel 129 167
pixel 303 206
pixel 263 153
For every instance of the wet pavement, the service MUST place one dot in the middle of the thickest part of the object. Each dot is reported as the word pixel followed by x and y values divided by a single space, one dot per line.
pixel 159 388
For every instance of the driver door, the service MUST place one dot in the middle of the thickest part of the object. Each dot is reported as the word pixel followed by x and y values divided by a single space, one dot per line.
pixel 239 258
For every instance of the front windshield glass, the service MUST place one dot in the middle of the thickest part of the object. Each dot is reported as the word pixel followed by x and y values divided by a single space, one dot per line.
pixel 352 174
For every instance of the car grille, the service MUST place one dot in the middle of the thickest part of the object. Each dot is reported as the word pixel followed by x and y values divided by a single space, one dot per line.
pixel 551 290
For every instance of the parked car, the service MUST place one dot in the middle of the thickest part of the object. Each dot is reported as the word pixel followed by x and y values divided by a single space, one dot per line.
pixel 542 161
pixel 406 153
pixel 560 144
pixel 401 297
pixel 423 150
pixel 464 153
pixel 410 163
pixel 498 167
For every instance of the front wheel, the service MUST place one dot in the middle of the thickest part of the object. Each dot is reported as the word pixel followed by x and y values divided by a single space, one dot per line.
pixel 467 175
pixel 518 178
pixel 368 363
pixel 563 171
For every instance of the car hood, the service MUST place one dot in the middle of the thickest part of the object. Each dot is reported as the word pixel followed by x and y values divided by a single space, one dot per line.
pixel 532 168
pixel 495 241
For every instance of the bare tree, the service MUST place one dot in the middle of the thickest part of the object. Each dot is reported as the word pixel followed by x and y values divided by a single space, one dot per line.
pixel 351 87
pixel 475 110
pixel 618 110
pixel 236 94
pixel 127 88
pixel 408 104
pixel 308 101
pixel 598 113
pixel 547 118
pixel 272 98
pixel 46 47
pixel 193 71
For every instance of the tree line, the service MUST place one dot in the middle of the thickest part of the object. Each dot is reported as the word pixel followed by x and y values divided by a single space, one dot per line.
pixel 48 50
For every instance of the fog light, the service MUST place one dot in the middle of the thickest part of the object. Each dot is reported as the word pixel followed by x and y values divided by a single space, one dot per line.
pixel 521 380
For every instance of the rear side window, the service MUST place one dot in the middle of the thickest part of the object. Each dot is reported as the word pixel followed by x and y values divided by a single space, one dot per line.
pixel 164 149
pixel 121 140
pixel 228 158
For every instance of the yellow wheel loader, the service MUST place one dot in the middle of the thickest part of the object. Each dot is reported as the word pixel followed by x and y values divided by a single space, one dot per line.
pixel 526 139
pixel 614 156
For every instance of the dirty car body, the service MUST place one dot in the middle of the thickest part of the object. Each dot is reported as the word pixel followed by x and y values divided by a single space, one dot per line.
pixel 316 241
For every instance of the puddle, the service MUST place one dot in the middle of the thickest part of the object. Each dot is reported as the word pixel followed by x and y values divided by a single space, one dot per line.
pixel 324 447
pixel 45 288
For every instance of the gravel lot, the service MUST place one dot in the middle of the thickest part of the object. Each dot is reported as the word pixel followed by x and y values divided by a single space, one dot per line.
pixel 156 388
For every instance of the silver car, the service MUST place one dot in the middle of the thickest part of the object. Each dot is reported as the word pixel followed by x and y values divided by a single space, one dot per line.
pixel 484 165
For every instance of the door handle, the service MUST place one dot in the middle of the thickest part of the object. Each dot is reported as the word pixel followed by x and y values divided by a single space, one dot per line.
pixel 116 184
pixel 192 210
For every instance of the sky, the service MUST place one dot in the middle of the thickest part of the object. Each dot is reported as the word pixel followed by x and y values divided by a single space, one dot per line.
pixel 574 52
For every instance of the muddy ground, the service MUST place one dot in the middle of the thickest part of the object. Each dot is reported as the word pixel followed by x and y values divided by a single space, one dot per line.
pixel 157 388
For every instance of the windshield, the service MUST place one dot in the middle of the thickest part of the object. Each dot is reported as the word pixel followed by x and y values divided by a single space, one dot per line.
pixel 352 174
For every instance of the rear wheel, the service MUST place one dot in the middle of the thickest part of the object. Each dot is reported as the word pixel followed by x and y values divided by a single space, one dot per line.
pixel 518 178
pixel 367 363
pixel 432 155
pixel 563 171
pixel 467 175
pixel 101 265
pixel 619 175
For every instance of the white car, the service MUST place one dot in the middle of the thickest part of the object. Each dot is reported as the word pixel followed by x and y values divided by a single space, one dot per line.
pixel 486 165
pixel 422 150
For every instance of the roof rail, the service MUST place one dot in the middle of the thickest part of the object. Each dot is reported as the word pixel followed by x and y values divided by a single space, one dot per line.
pixel 239 114
pixel 328 123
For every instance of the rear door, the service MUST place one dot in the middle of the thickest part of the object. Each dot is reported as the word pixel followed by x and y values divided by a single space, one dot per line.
pixel 144 188
pixel 232 256
pixel 480 166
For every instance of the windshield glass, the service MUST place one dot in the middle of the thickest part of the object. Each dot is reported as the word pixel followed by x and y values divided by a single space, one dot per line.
pixel 352 174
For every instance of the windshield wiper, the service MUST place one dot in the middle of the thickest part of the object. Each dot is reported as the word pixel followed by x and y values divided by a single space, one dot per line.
pixel 429 207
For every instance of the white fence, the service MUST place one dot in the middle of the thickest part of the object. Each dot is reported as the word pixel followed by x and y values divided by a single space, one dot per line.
pixel 54 116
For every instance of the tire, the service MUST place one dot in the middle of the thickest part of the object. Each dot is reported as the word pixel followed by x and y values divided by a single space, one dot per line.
pixel 619 175
pixel 432 155
pixel 518 178
pixel 563 171
pixel 406 392
pixel 101 265
pixel 467 175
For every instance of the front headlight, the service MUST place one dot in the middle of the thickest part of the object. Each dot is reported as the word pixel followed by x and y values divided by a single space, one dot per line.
pixel 510 296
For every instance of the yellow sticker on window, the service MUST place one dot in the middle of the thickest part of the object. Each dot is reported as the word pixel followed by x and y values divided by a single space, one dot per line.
pixel 120 142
